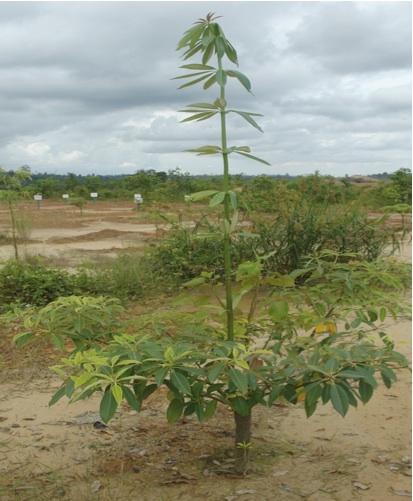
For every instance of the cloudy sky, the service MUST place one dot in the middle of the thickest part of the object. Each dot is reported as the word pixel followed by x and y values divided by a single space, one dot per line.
pixel 86 87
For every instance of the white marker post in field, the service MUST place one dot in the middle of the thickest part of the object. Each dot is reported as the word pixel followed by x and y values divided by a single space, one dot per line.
pixel 38 199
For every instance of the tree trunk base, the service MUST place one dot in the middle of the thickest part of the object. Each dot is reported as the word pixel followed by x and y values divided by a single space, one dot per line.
pixel 242 442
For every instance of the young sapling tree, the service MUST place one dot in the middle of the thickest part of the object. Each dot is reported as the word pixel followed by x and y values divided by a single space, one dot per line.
pixel 320 342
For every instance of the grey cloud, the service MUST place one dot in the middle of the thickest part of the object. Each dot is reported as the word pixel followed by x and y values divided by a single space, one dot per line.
pixel 348 37
pixel 87 86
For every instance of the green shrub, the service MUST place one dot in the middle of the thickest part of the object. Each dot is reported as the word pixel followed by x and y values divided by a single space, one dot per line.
pixel 122 277
pixel 22 283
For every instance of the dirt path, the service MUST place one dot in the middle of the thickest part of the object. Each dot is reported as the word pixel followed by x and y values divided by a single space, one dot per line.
pixel 57 454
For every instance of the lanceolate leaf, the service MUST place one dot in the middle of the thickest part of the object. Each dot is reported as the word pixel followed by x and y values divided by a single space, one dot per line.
pixel 247 117
pixel 201 67
pixel 241 77
pixel 108 405
pixel 217 199
pixel 239 379
pixel 175 410
pixel 253 157
pixel 365 390
pixel 207 106
pixel 203 115
pixel 339 399
pixel 131 399
pixel 193 82
pixel 181 383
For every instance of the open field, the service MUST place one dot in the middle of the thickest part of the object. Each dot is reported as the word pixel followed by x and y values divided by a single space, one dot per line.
pixel 57 454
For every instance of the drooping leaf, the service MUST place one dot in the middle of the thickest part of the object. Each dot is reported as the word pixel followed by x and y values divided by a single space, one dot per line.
pixel 131 399
pixel 57 396
pixel 210 409
pixel 365 390
pixel 252 157
pixel 108 406
pixel 241 78
pixel 117 393
pixel 247 116
pixel 175 410
pixel 339 399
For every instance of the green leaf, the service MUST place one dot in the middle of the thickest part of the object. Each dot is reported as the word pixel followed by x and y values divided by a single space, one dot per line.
pixel 241 78
pixel 217 199
pixel 339 399
pixel 193 82
pixel 175 410
pixel 131 399
pixel 278 311
pixel 206 150
pixel 181 383
pixel 366 391
pixel 57 396
pixel 209 83
pixel 221 78
pixel 83 379
pixel 240 406
pixel 247 116
pixel 108 406
pixel 215 372
pixel 252 157
pixel 58 341
pixel 201 67
pixel 204 115
pixel 202 194
pixel 117 393
pixel 206 106
pixel 210 409
pixel 239 379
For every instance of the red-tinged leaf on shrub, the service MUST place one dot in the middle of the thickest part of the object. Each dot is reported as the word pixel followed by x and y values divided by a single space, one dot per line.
pixel 210 409
pixel 239 379
pixel 175 410
pixel 365 390
pixel 339 399
pixel 181 383
pixel 131 399
pixel 108 406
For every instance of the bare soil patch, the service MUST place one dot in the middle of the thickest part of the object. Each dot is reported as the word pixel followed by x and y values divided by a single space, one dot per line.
pixel 58 453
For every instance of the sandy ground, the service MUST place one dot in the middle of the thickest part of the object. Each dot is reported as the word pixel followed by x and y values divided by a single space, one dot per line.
pixel 57 454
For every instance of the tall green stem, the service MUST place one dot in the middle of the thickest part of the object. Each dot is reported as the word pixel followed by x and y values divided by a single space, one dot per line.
pixel 227 216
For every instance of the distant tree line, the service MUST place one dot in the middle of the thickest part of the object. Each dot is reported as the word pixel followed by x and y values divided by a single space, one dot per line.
pixel 263 190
